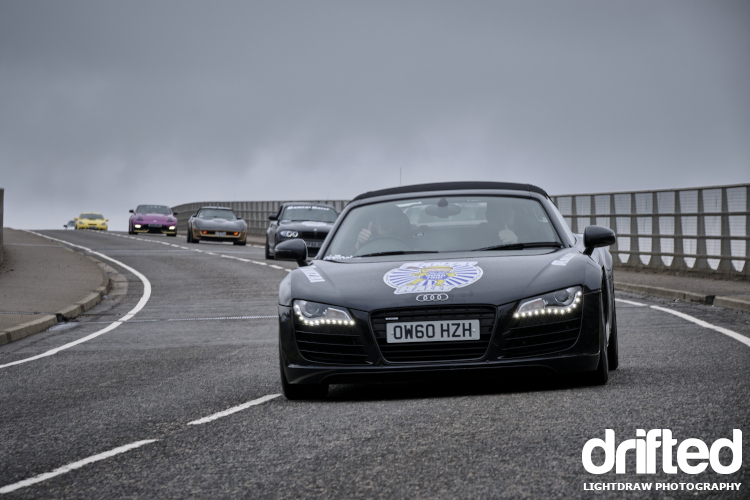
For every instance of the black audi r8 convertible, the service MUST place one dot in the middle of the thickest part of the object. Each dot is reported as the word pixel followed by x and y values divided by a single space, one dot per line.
pixel 310 222
pixel 447 279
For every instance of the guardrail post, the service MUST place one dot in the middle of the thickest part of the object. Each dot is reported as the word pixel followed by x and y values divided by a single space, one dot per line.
pixel 701 263
pixel 656 260
pixel 725 266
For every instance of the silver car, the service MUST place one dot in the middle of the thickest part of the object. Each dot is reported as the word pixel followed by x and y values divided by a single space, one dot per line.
pixel 216 224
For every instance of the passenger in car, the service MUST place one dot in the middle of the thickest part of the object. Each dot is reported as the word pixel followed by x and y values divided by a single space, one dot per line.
pixel 392 222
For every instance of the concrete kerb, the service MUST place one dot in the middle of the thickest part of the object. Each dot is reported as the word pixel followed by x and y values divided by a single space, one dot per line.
pixel 729 302
pixel 67 313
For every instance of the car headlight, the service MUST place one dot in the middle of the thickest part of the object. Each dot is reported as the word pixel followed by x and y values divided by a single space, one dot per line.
pixel 313 313
pixel 171 227
pixel 560 302
pixel 289 234
pixel 137 226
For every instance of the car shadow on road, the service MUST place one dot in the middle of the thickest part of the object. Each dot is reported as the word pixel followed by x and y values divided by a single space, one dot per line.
pixel 515 382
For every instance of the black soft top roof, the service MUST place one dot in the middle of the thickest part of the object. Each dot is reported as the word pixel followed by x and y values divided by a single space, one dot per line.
pixel 446 186
pixel 217 208
pixel 310 203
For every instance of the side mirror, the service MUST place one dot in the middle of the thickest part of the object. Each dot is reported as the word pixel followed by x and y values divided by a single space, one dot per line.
pixel 76 218
pixel 106 220
pixel 597 236
pixel 273 217
pixel 292 250
pixel 65 226
pixel 174 213
pixel 131 211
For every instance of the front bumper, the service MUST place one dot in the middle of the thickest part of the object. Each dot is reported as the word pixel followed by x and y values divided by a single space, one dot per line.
pixel 581 354
pixel 156 228
pixel 204 234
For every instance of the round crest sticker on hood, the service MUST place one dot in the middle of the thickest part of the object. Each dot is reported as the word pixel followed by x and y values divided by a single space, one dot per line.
pixel 421 277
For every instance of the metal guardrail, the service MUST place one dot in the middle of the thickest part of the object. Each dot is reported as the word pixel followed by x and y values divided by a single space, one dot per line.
pixel 704 230
pixel 698 229
pixel 255 213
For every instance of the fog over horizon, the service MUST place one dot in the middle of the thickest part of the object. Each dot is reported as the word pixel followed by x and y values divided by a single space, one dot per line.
pixel 106 105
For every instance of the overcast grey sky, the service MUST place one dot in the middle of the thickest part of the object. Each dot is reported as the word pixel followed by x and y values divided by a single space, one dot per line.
pixel 105 105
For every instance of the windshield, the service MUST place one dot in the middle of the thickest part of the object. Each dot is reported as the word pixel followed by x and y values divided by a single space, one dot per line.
pixel 154 209
pixel 213 213
pixel 443 224
pixel 91 216
pixel 309 212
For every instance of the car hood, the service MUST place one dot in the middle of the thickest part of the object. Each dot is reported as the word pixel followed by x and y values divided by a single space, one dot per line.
pixel 153 217
pixel 220 224
pixel 321 227
pixel 497 279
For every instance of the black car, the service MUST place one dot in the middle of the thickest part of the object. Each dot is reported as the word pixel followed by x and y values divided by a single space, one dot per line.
pixel 309 222
pixel 444 280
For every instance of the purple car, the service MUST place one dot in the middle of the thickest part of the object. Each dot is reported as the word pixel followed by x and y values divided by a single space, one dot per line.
pixel 153 219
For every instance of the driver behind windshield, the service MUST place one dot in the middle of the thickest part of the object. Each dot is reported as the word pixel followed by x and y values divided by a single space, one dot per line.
pixel 501 219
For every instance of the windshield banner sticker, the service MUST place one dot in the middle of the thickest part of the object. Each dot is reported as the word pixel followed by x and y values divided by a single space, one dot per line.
pixel 420 277
pixel 314 223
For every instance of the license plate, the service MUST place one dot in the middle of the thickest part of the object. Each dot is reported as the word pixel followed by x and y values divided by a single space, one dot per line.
pixel 313 244
pixel 154 225
pixel 432 331
pixel 221 233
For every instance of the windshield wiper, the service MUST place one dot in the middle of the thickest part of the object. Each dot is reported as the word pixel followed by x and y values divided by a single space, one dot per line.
pixel 396 252
pixel 520 246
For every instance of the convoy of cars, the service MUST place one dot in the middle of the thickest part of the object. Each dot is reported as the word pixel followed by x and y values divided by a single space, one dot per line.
pixel 425 282
pixel 153 219
pixel 443 281
pixel 308 222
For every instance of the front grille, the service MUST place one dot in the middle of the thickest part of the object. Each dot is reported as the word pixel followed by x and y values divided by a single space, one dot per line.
pixel 529 336
pixel 331 344
pixel 313 235
pixel 435 351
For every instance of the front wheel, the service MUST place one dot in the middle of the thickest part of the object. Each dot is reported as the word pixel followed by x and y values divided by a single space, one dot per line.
pixel 268 250
pixel 296 392
pixel 613 353
pixel 600 376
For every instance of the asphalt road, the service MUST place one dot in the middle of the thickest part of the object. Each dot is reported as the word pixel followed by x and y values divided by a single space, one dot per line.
pixel 202 345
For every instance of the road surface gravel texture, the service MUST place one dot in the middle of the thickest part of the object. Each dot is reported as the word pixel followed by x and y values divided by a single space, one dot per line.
pixel 511 437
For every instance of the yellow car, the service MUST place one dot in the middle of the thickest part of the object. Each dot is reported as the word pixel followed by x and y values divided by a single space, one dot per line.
pixel 91 220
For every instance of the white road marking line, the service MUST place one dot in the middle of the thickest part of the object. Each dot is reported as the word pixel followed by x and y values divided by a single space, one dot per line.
pixel 288 270
pixel 176 246
pixel 210 253
pixel 235 409
pixel 704 324
pixel 185 248
pixel 141 303
pixel 235 258
pixel 630 302
pixel 75 465
pixel 196 250
pixel 259 263
pixel 275 266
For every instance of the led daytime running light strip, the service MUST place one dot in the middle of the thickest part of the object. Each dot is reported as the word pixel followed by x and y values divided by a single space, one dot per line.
pixel 321 321
pixel 551 310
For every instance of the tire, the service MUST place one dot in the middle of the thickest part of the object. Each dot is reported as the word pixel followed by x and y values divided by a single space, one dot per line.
pixel 130 230
pixel 189 236
pixel 240 243
pixel 601 374
pixel 268 250
pixel 296 392
pixel 613 354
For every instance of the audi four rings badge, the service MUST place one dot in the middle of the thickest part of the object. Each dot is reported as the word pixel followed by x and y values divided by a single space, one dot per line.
pixel 432 297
